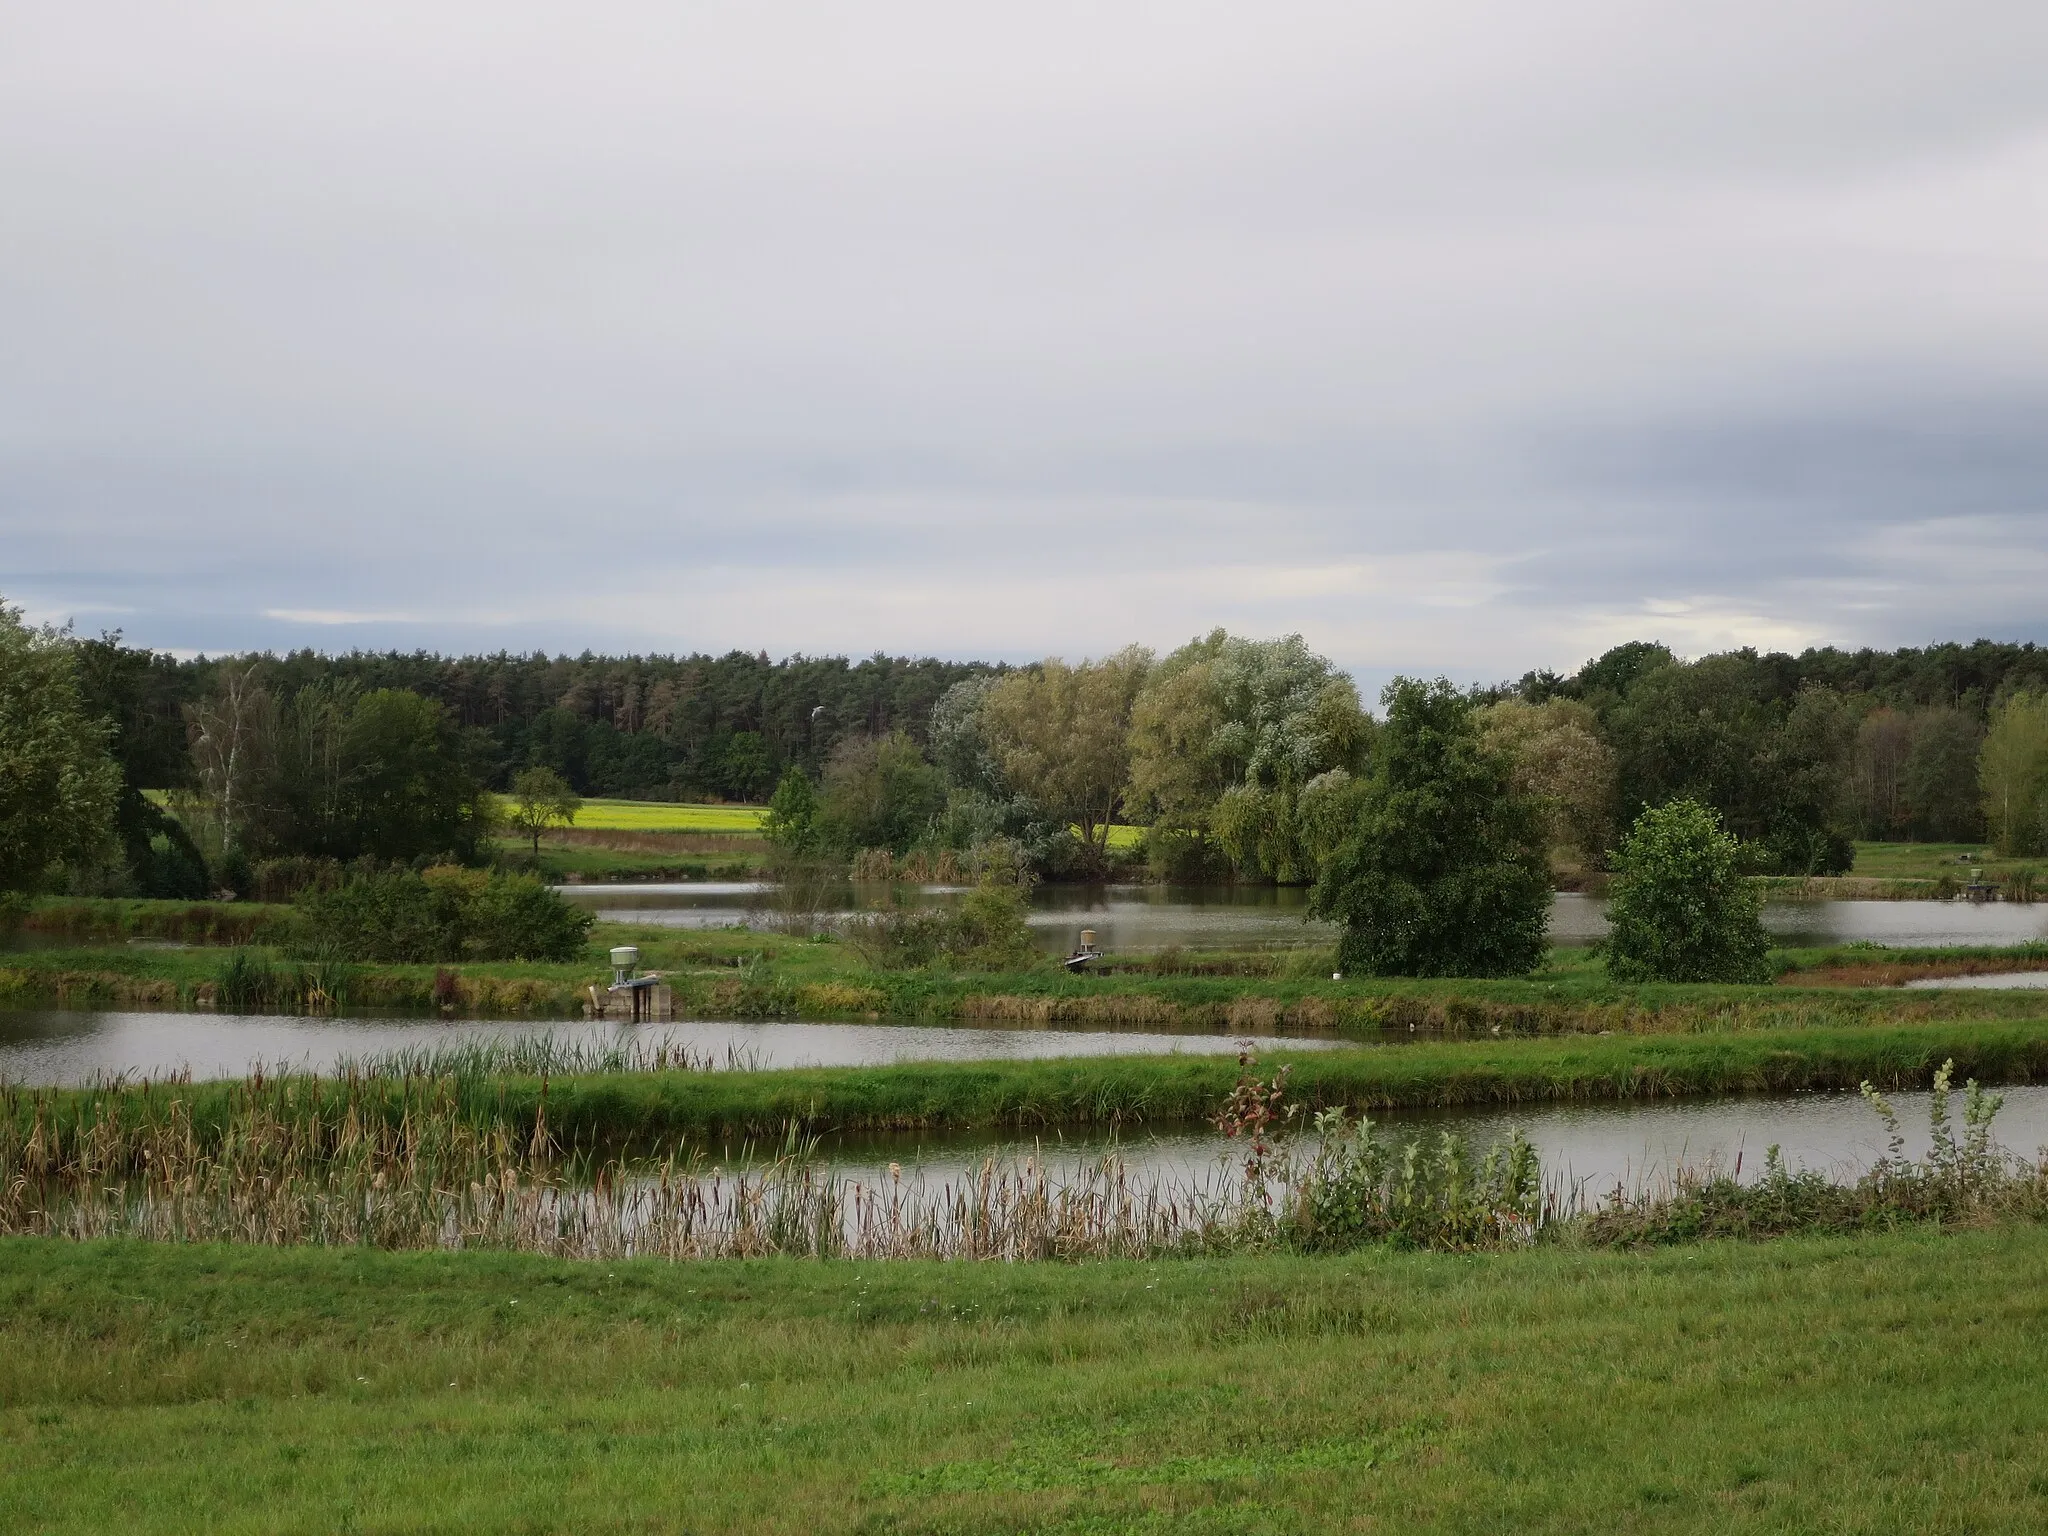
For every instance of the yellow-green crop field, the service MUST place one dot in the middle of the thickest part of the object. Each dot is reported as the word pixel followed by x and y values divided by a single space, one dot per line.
pixel 661 816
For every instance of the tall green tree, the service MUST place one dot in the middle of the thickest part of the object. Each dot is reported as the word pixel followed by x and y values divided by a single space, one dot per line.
pixel 1774 765
pixel 1680 908
pixel 1228 732
pixel 1062 735
pixel 140 694
pixel 1944 801
pixel 59 786
pixel 792 820
pixel 2013 773
pixel 879 792
pixel 408 793
pixel 1445 872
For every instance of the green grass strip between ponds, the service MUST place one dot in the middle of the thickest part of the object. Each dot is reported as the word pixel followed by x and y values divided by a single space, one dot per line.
pixel 646 1109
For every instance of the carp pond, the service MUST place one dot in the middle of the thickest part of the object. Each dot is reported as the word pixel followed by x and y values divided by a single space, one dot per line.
pixel 1143 919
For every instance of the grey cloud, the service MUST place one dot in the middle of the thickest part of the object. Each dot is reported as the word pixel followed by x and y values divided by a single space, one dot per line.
pixel 1464 337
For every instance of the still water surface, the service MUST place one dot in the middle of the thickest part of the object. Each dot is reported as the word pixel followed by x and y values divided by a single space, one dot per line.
pixel 1596 1146
pixel 1141 919
pixel 61 1045
pixel 1588 1147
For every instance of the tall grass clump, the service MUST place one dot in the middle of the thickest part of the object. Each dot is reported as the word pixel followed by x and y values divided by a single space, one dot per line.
pixel 251 981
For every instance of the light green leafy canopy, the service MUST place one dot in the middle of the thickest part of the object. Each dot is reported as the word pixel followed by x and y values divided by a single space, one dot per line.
pixel 59 788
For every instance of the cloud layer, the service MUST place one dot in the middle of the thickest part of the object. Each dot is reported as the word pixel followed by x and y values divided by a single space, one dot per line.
pixel 1458 337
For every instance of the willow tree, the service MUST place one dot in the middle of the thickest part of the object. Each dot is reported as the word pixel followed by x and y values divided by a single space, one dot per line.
pixel 1062 736
pixel 1227 735
pixel 2013 774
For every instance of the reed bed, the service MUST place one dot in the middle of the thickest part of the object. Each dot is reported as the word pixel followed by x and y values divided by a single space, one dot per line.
pixel 299 1166
pixel 399 1159
pixel 543 1056
pixel 415 1162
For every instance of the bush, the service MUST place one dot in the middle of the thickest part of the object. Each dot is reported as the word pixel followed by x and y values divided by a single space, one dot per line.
pixel 879 793
pixel 1679 907
pixel 282 880
pixel 441 914
pixel 1963 1180
pixel 986 932
pixel 1361 1187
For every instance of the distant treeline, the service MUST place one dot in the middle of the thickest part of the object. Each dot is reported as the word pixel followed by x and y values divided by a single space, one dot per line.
pixel 640 727
pixel 728 726
pixel 1247 759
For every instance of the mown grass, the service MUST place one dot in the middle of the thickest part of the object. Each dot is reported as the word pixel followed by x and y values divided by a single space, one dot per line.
pixel 1930 861
pixel 1875 1384
pixel 562 862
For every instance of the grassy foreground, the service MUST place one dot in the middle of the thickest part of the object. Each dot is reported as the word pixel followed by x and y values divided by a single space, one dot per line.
pixel 1882 1384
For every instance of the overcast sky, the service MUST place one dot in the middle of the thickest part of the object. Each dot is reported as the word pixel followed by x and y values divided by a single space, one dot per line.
pixel 1461 338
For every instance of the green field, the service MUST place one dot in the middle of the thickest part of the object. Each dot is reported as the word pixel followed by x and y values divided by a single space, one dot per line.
pixel 1930 861
pixel 1885 1384
pixel 562 862
pixel 663 816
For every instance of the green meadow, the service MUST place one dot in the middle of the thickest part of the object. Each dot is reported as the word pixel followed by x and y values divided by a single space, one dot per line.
pixel 1883 1384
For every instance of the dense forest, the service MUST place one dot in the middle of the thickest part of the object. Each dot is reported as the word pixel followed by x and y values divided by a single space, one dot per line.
pixel 1242 759
pixel 642 727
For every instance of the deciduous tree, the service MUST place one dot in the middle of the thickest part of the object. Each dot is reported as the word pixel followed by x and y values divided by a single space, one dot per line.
pixel 1061 735
pixel 1444 873
pixel 879 793
pixel 541 799
pixel 1562 763
pixel 2013 769
pixel 1226 734
pixel 59 787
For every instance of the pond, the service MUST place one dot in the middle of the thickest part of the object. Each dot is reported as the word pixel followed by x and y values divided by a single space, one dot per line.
pixel 1141 919
pixel 68 1046
pixel 1586 1147
pixel 1591 1148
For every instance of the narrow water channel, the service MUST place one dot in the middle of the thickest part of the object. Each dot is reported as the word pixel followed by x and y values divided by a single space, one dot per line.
pixel 1143 919
pixel 1588 1147
pixel 70 1046
pixel 1591 1147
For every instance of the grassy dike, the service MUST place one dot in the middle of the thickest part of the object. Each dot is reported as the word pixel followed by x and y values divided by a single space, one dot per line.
pixel 1882 1384
pixel 647 1110
pixel 743 975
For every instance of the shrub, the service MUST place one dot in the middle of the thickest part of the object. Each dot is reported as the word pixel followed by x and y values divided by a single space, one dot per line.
pixel 444 913
pixel 1966 1179
pixel 282 880
pixel 986 932
pixel 792 820
pixel 1361 1187
pixel 1679 907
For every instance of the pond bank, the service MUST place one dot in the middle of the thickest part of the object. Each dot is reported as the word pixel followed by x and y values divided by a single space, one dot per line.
pixel 656 1109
